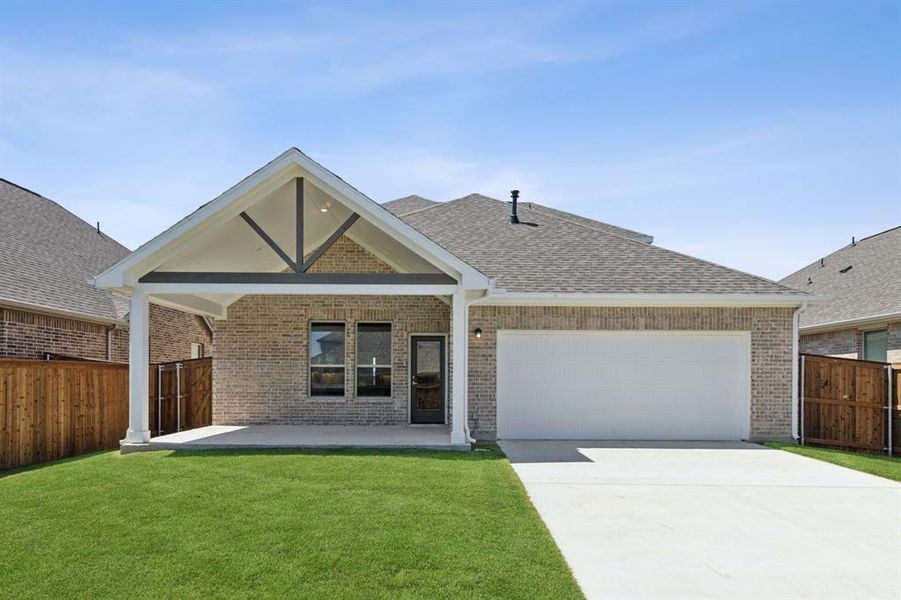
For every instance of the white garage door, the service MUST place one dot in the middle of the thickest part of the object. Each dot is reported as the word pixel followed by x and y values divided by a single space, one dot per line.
pixel 623 385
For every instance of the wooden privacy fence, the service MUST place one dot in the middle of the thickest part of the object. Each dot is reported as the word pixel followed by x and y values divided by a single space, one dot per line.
pixel 55 409
pixel 848 403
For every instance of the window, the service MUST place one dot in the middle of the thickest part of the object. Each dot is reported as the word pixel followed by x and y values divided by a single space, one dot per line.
pixel 875 345
pixel 327 359
pixel 196 350
pixel 374 359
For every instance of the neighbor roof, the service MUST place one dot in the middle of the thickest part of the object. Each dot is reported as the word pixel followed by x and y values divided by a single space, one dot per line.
pixel 49 257
pixel 562 254
pixel 408 204
pixel 871 287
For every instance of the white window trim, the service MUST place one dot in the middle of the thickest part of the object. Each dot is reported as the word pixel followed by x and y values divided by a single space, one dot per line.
pixel 200 346
pixel 357 366
pixel 311 366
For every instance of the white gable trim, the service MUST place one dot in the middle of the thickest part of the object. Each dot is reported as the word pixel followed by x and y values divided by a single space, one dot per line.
pixel 275 174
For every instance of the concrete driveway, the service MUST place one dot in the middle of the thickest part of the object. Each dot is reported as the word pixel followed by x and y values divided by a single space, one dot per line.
pixel 713 520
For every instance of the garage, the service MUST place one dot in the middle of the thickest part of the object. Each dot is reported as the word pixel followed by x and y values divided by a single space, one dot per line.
pixel 623 385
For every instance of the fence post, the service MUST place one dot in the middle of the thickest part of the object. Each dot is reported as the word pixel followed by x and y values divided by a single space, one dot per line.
pixel 177 396
pixel 890 414
pixel 801 396
pixel 159 399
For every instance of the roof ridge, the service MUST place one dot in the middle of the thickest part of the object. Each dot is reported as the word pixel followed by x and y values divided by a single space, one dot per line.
pixel 67 211
pixel 890 229
pixel 436 205
pixel 652 246
pixel 560 218
pixel 837 250
pixel 23 188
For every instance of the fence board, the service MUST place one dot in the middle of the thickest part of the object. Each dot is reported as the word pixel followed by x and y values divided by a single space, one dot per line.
pixel 845 403
pixel 55 409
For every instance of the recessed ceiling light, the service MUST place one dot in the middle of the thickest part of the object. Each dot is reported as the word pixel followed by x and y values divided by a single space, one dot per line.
pixel 323 209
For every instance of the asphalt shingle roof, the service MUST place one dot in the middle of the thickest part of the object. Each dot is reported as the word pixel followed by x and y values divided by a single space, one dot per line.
pixel 564 255
pixel 408 204
pixel 48 257
pixel 871 287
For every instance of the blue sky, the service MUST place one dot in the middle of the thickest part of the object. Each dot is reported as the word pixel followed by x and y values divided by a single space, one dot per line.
pixel 757 135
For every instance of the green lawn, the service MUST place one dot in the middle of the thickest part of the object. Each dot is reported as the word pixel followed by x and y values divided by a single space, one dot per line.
pixel 339 524
pixel 883 466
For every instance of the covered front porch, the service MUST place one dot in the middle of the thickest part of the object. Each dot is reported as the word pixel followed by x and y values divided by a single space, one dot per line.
pixel 335 323
pixel 233 437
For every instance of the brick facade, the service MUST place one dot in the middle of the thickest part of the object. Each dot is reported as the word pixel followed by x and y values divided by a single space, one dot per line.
pixel 771 350
pixel 29 335
pixel 261 370
pixel 848 343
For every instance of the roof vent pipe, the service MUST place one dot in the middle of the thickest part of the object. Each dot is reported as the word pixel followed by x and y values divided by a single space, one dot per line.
pixel 513 217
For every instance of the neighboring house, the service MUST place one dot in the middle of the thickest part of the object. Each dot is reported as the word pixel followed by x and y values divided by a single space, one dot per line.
pixel 860 315
pixel 546 325
pixel 48 306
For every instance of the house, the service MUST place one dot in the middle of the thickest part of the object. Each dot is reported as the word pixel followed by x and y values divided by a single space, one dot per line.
pixel 48 307
pixel 860 316
pixel 492 319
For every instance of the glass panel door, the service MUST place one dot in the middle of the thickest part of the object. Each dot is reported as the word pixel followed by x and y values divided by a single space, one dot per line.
pixel 427 391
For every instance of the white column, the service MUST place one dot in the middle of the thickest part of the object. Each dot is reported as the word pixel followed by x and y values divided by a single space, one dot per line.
pixel 138 369
pixel 460 339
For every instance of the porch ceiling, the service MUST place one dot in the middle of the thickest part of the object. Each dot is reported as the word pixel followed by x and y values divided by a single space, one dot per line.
pixel 234 247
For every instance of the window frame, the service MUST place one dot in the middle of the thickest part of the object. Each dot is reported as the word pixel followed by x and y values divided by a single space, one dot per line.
pixel 883 330
pixel 311 366
pixel 201 347
pixel 389 366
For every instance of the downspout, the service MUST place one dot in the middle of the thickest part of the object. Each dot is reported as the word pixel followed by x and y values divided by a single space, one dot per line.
pixel 796 328
pixel 109 342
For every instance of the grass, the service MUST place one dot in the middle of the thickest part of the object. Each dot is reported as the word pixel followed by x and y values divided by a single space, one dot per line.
pixel 341 524
pixel 883 466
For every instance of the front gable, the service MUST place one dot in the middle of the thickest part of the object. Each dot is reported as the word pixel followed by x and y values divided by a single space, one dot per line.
pixel 251 234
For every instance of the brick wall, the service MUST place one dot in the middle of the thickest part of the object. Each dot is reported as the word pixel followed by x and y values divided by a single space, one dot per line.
pixel 771 350
pixel 29 335
pixel 261 369
pixel 848 343
pixel 172 332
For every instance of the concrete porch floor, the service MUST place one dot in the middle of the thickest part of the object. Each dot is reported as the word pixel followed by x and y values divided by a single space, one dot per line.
pixel 218 437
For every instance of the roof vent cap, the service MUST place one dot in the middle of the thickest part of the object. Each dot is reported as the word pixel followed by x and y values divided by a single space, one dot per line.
pixel 514 194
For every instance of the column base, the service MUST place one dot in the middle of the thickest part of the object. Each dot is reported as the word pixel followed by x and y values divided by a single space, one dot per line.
pixel 458 437
pixel 137 436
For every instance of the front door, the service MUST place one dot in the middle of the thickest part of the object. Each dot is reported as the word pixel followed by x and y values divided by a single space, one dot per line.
pixel 427 357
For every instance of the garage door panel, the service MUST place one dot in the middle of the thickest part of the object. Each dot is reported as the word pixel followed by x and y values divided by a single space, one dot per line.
pixel 622 385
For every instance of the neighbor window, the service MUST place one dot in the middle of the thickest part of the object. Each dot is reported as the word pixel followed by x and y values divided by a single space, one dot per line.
pixel 327 359
pixel 196 350
pixel 374 359
pixel 875 345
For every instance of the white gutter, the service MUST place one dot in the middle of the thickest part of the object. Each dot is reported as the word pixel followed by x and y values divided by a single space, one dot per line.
pixel 796 320
pixel 851 322
pixel 60 312
pixel 501 298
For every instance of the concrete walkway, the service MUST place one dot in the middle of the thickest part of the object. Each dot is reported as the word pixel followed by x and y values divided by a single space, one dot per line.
pixel 709 520
pixel 304 436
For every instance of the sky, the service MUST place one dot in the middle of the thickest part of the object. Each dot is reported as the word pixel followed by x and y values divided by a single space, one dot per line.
pixel 757 135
